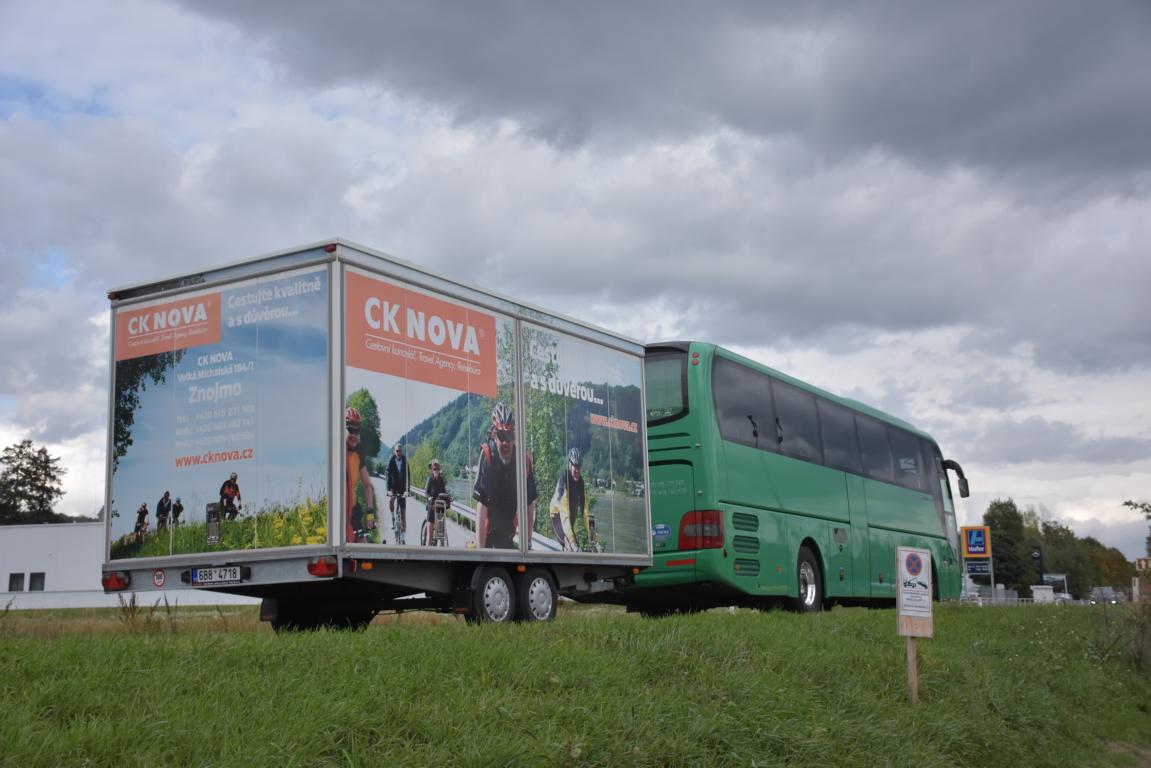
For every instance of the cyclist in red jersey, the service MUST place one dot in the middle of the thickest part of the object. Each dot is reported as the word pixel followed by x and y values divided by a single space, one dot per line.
pixel 359 524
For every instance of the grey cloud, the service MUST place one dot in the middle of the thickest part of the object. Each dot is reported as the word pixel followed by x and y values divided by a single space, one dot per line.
pixel 753 253
pixel 993 390
pixel 1028 86
pixel 1037 439
pixel 1128 537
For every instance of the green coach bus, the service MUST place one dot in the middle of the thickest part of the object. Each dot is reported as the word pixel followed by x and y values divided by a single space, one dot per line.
pixel 766 490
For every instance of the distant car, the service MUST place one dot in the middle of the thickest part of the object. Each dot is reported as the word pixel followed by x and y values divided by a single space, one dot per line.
pixel 1104 596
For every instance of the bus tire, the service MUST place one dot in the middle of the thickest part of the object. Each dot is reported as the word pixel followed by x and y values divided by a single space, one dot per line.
pixel 537 596
pixel 809 598
pixel 493 596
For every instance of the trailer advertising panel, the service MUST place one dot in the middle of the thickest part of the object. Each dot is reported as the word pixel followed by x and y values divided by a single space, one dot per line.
pixel 582 428
pixel 427 378
pixel 219 420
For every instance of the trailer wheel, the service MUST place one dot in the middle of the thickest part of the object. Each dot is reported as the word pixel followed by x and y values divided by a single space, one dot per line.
pixel 810 597
pixel 537 595
pixel 493 596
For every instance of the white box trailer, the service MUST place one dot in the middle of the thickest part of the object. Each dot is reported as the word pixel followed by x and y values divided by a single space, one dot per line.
pixel 274 425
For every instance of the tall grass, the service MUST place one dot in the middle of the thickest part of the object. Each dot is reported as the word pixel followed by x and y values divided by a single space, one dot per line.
pixel 1019 687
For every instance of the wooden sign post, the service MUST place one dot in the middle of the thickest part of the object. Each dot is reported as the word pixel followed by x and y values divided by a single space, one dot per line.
pixel 914 602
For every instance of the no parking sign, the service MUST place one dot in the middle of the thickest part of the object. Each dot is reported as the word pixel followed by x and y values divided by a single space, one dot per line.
pixel 914 601
pixel 915 591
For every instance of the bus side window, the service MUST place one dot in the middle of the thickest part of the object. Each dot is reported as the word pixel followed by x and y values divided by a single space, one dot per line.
pixel 743 405
pixel 908 460
pixel 798 422
pixel 840 446
pixel 875 448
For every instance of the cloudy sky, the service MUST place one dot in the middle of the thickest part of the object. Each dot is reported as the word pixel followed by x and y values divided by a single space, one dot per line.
pixel 943 209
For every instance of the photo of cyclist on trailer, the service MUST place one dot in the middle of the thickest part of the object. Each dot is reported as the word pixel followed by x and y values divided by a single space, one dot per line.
pixel 497 518
pixel 163 510
pixel 230 500
pixel 399 479
pixel 438 503
pixel 141 522
pixel 360 523
pixel 569 503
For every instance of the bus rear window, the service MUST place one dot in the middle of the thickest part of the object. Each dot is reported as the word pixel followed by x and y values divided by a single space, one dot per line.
pixel 665 385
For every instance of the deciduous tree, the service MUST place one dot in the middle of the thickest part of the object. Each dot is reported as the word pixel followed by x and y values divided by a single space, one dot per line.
pixel 1012 558
pixel 1145 508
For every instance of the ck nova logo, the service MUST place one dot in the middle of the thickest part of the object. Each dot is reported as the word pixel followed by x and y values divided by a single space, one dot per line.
pixel 406 333
pixel 167 327
pixel 384 316
pixel 175 317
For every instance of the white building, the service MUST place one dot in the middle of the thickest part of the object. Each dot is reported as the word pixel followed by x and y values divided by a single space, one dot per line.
pixel 58 566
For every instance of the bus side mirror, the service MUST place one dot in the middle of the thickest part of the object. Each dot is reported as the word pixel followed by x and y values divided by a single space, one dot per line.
pixel 964 489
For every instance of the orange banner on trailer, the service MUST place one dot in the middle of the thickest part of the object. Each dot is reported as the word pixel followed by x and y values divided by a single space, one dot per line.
pixel 404 333
pixel 168 327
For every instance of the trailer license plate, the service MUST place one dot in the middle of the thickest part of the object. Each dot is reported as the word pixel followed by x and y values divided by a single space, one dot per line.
pixel 228 574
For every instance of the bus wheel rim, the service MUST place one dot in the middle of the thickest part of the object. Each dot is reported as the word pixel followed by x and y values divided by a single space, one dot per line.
pixel 806 584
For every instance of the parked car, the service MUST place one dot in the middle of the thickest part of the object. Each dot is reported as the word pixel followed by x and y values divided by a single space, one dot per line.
pixel 1105 596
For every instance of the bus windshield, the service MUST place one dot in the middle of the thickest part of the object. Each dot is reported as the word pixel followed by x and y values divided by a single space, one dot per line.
pixel 665 384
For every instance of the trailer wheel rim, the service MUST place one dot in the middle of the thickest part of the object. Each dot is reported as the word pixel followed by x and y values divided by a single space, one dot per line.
pixel 497 599
pixel 540 599
pixel 807 584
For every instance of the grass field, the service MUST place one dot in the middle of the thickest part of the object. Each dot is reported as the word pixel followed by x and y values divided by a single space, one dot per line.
pixel 1039 686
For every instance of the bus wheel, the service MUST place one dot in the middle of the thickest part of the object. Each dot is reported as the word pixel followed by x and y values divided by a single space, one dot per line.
pixel 810 597
pixel 493 596
pixel 536 592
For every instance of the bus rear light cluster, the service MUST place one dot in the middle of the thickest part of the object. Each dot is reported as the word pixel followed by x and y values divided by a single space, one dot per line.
pixel 701 529
pixel 322 567
pixel 115 581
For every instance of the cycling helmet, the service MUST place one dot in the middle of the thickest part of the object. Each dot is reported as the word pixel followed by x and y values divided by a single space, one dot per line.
pixel 574 456
pixel 503 419
pixel 177 498
pixel 435 464
pixel 352 417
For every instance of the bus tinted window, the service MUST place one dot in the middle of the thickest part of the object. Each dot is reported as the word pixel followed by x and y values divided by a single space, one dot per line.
pixel 797 422
pixel 909 469
pixel 665 385
pixel 874 448
pixel 840 447
pixel 743 405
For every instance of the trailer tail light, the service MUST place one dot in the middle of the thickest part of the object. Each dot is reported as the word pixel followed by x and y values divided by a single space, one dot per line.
pixel 322 567
pixel 701 529
pixel 114 581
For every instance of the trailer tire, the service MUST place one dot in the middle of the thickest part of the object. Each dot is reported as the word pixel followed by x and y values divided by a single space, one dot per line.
pixel 493 596
pixel 537 596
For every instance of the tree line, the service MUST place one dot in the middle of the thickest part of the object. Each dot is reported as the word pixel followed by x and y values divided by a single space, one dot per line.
pixel 1025 542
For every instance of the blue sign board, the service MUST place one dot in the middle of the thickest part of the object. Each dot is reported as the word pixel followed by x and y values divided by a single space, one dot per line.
pixel 976 541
